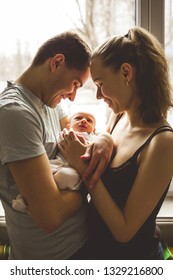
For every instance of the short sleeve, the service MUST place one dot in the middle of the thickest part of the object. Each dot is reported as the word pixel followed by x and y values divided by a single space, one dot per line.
pixel 20 134
pixel 62 111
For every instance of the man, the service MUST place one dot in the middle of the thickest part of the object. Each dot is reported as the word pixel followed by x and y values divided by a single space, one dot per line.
pixel 28 134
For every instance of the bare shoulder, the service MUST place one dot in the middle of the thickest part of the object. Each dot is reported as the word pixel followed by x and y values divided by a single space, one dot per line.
pixel 162 143
pixel 157 158
pixel 165 137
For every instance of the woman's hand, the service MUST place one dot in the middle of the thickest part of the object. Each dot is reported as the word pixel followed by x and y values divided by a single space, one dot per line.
pixel 98 154
pixel 89 160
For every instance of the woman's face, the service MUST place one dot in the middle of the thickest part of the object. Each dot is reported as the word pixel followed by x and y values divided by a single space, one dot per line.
pixel 111 86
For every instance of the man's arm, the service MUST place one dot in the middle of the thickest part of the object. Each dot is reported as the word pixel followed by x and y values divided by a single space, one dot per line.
pixel 48 206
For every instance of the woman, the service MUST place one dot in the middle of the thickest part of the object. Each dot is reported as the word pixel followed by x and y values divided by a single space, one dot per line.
pixel 131 75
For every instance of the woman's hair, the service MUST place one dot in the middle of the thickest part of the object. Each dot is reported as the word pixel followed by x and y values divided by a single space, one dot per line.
pixel 77 53
pixel 142 50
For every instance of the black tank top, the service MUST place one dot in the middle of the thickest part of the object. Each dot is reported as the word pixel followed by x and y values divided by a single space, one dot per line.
pixel 119 181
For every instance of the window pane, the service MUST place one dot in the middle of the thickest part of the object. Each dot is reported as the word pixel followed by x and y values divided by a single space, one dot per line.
pixel 103 18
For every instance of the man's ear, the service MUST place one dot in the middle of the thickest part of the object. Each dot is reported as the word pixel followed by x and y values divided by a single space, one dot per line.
pixel 57 61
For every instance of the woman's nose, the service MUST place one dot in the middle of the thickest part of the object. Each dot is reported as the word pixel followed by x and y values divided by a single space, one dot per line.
pixel 99 94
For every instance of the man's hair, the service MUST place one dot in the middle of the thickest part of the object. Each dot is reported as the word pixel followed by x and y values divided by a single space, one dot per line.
pixel 77 53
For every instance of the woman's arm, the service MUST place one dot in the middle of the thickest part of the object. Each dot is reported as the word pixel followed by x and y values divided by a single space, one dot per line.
pixel 155 172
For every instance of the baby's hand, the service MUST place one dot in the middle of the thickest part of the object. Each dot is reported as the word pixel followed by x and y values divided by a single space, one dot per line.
pixel 72 148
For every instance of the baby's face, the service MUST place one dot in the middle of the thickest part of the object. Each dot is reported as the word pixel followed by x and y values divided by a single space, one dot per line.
pixel 83 122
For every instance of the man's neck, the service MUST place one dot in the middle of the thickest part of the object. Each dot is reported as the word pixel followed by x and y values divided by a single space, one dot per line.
pixel 30 80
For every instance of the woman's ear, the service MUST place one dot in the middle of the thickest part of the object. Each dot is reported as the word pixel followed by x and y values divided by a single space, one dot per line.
pixel 57 61
pixel 127 72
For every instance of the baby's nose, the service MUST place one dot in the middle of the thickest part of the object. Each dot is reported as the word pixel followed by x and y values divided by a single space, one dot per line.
pixel 83 120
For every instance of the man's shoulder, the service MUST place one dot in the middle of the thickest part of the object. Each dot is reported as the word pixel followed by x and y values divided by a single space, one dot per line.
pixel 9 94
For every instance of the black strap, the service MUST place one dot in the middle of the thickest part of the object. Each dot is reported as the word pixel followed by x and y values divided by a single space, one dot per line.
pixel 118 117
pixel 157 131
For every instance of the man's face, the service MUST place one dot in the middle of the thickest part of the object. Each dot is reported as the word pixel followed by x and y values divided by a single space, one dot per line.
pixel 65 84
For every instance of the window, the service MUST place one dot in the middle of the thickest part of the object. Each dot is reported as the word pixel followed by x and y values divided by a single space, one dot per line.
pixel 27 30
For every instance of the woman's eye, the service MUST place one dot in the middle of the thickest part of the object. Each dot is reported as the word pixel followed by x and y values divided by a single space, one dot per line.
pixel 76 85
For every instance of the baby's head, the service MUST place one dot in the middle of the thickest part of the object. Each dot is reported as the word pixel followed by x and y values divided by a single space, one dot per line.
pixel 83 122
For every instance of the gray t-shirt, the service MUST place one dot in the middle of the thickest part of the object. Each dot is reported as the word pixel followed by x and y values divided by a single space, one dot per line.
pixel 28 128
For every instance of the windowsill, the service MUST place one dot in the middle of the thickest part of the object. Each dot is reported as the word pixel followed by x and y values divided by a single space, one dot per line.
pixel 166 210
pixel 2 221
pixel 1 210
pixel 165 220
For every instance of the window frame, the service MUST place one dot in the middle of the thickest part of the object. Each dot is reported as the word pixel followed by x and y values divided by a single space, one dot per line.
pixel 150 14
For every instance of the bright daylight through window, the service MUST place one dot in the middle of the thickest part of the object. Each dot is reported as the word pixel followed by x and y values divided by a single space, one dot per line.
pixel 93 19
